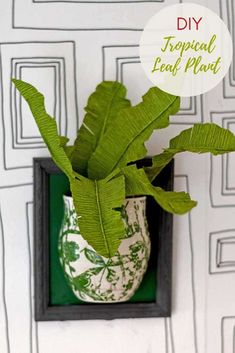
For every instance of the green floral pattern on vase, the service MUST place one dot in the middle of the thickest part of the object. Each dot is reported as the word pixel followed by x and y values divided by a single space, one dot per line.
pixel 94 278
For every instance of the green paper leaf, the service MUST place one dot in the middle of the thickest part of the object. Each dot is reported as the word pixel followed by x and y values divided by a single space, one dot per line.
pixel 124 140
pixel 96 203
pixel 137 183
pixel 201 138
pixel 102 108
pixel 158 163
pixel 68 149
pixel 47 125
pixel 63 140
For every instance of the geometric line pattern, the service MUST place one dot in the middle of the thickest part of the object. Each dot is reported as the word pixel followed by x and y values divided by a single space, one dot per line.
pixel 222 188
pixel 16 133
pixel 227 14
pixel 3 269
pixel 33 325
pixel 227 189
pixel 221 251
pixel 95 1
pixel 32 17
pixel 18 64
pixel 228 334
pixel 117 57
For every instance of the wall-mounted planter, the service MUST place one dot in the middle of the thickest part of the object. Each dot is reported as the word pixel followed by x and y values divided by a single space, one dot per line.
pixel 94 278
pixel 55 299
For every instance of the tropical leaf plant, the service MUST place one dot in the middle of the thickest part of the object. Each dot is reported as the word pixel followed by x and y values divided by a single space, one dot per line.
pixel 95 201
pixel 98 163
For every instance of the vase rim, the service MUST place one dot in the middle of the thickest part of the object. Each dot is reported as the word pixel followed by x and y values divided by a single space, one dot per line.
pixel 143 197
pixel 70 198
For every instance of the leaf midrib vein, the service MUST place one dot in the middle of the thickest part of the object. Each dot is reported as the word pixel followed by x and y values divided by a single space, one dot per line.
pixel 141 133
pixel 100 217
pixel 106 115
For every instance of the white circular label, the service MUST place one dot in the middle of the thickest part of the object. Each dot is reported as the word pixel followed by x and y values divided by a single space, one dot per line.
pixel 186 49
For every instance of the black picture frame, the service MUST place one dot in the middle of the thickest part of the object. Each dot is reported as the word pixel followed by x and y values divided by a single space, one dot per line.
pixel 160 227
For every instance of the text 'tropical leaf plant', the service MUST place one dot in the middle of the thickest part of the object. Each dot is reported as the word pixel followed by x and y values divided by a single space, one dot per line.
pixel 111 137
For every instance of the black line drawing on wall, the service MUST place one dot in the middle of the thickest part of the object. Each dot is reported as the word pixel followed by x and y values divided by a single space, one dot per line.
pixel 228 334
pixel 169 343
pixel 221 184
pixel 33 17
pixel 227 14
pixel 115 57
pixel 193 285
pixel 4 304
pixel 33 334
pixel 18 64
pixel 191 103
pixel 227 189
pixel 95 2
pixel 221 248
pixel 221 189
pixel 63 61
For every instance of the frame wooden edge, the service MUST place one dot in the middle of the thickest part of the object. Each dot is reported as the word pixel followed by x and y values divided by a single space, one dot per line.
pixel 103 312
pixel 164 264
pixel 41 265
pixel 42 168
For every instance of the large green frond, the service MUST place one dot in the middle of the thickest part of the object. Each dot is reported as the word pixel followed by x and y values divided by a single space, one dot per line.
pixel 97 204
pixel 124 140
pixel 137 183
pixel 102 108
pixel 201 138
pixel 47 126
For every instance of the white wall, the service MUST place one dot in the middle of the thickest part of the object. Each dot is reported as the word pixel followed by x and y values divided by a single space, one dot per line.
pixel 43 41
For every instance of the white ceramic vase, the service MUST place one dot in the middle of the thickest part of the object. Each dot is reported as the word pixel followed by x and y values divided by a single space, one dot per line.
pixel 94 278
